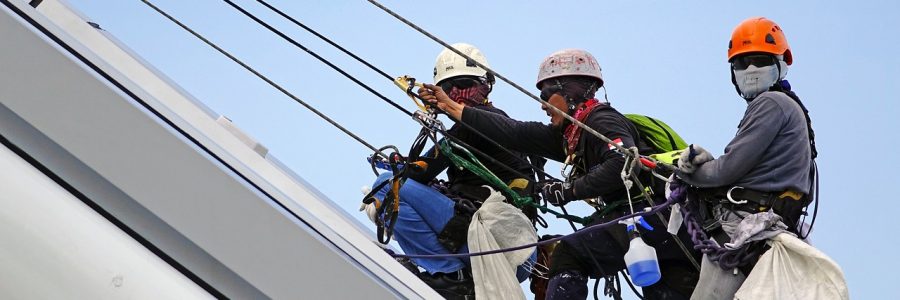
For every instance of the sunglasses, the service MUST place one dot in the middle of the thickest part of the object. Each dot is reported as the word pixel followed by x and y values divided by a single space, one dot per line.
pixel 549 91
pixel 459 83
pixel 759 60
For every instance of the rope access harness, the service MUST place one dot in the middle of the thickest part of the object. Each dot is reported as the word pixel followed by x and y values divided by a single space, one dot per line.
pixel 399 81
pixel 646 162
pixel 406 83
pixel 395 159
pixel 427 119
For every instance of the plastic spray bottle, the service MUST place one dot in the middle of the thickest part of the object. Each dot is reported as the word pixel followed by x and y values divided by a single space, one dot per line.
pixel 643 266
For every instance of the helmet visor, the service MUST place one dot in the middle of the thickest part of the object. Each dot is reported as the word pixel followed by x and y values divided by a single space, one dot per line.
pixel 743 62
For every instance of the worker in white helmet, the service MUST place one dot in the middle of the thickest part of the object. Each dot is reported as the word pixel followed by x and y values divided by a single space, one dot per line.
pixel 568 80
pixel 435 219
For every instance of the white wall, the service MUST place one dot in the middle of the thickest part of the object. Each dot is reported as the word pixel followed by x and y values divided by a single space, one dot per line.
pixel 55 247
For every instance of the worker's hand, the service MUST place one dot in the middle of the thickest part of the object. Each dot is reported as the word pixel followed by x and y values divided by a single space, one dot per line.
pixel 369 209
pixel 436 96
pixel 692 158
pixel 557 193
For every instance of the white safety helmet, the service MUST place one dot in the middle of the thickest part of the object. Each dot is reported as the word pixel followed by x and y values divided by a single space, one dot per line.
pixel 449 64
pixel 569 62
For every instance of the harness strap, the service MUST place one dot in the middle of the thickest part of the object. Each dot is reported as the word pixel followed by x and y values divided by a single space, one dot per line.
pixel 790 205
pixel 748 199
pixel 472 164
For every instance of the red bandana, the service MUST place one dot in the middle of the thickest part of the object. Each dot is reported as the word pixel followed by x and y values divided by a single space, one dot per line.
pixel 573 132
pixel 473 96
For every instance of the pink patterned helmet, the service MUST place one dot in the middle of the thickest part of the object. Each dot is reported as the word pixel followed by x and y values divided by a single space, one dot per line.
pixel 569 62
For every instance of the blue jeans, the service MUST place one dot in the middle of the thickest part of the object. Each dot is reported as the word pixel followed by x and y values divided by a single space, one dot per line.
pixel 423 213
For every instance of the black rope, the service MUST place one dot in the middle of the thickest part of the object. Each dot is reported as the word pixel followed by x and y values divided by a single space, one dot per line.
pixel 497 75
pixel 311 108
pixel 310 30
pixel 320 58
pixel 687 253
pixel 385 75
pixel 264 78
pixel 565 212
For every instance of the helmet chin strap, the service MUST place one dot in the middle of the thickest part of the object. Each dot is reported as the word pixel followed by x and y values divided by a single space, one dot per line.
pixel 571 104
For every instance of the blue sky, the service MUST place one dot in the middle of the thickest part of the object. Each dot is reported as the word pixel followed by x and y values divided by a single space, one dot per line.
pixel 664 59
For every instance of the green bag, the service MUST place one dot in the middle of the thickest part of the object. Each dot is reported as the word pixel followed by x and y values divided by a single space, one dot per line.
pixel 657 134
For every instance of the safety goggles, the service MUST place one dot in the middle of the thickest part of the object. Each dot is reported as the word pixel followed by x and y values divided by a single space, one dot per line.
pixel 745 61
pixel 549 91
pixel 459 83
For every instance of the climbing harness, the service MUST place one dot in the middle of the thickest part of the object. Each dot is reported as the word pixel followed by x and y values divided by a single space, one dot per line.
pixel 405 83
pixel 388 207
pixel 676 195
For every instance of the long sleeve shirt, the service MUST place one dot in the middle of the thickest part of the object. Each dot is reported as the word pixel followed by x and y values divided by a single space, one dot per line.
pixel 770 151
pixel 463 180
pixel 603 164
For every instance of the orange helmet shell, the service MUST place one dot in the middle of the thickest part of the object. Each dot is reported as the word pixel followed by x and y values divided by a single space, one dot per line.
pixel 759 35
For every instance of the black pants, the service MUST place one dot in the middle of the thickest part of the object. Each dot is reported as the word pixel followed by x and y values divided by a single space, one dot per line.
pixel 601 253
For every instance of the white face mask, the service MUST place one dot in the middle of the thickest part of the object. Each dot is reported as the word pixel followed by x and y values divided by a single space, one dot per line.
pixel 755 80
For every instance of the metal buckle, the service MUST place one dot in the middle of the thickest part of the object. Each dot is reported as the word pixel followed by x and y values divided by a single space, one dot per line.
pixel 428 120
pixel 730 199
pixel 568 163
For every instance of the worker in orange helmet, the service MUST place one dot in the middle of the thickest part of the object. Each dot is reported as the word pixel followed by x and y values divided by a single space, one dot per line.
pixel 761 186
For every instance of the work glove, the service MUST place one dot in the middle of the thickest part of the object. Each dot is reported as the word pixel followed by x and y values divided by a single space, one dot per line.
pixel 368 209
pixel 693 157
pixel 557 193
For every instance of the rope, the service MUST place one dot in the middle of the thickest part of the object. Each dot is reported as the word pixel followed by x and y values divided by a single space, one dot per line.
pixel 310 30
pixel 626 174
pixel 727 259
pixel 479 169
pixel 266 79
pixel 543 209
pixel 474 166
pixel 510 82
pixel 320 58
pixel 377 70
pixel 676 196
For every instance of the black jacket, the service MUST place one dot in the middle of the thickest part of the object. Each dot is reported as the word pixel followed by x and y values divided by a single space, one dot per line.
pixel 603 166
pixel 463 180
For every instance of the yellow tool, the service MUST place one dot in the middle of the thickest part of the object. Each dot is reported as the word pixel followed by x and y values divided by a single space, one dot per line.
pixel 406 84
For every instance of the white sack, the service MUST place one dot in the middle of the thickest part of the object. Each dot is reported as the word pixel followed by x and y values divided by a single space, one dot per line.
pixel 792 269
pixel 494 226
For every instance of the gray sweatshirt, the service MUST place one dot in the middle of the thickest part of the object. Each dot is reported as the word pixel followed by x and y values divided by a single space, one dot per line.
pixel 769 153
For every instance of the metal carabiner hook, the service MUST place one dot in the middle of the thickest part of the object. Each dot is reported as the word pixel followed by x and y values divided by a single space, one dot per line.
pixel 730 199
pixel 568 163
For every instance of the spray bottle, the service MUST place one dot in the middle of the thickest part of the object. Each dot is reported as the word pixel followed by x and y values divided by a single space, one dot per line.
pixel 643 266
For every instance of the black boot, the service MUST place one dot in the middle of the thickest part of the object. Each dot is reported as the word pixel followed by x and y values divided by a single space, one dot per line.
pixel 452 286
pixel 408 264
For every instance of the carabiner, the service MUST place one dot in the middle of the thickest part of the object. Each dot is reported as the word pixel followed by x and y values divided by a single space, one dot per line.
pixel 730 199
pixel 568 163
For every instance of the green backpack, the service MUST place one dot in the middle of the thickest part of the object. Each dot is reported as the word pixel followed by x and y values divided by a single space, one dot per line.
pixel 666 143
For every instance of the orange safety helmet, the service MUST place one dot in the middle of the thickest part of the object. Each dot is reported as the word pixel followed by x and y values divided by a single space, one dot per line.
pixel 759 35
